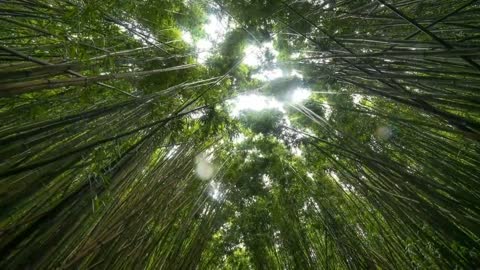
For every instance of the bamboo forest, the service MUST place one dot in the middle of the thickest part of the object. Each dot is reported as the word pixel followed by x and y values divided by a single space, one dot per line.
pixel 239 134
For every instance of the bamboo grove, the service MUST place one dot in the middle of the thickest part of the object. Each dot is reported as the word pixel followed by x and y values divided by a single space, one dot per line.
pixel 118 148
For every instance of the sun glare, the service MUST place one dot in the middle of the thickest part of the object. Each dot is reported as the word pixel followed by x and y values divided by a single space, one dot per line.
pixel 296 73
pixel 254 102
pixel 268 75
pixel 299 95
pixel 255 55
pixel 204 168
pixel 187 37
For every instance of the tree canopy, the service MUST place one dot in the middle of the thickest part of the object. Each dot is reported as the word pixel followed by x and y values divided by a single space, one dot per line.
pixel 225 134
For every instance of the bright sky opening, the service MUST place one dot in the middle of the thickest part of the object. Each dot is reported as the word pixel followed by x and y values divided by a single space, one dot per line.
pixel 138 32
pixel 215 30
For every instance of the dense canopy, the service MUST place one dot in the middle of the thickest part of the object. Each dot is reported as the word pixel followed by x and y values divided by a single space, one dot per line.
pixel 252 134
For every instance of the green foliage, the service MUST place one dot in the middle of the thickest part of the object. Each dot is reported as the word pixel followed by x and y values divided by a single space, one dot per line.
pixel 119 150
